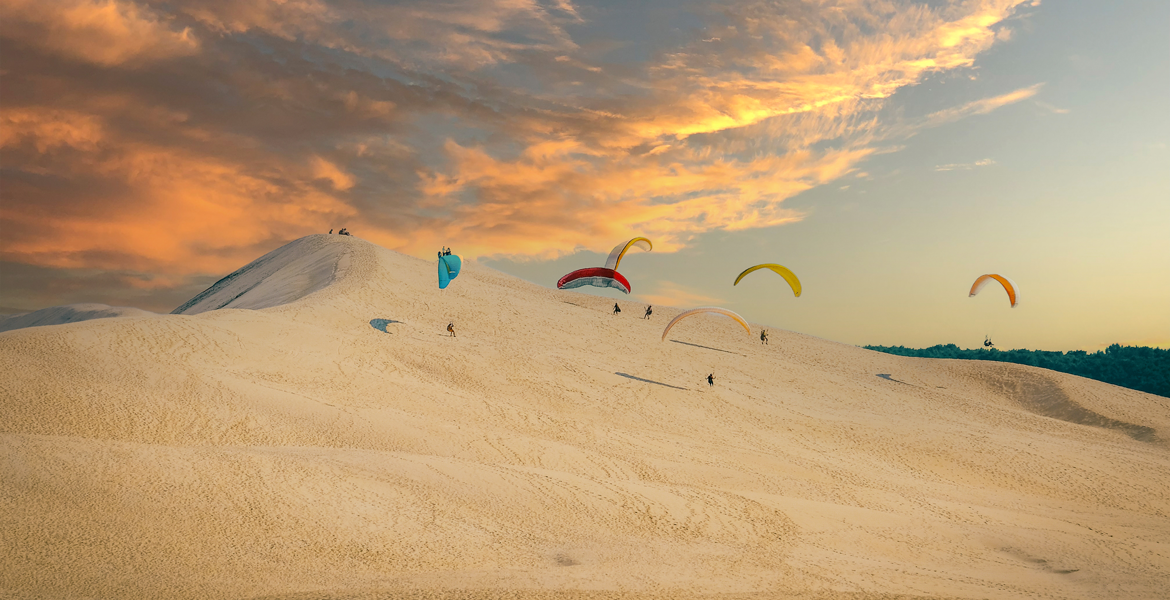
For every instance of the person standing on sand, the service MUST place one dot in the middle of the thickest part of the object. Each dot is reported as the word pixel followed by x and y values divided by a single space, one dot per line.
pixel 616 309
pixel 649 311
pixel 764 336
pixel 711 380
pixel 451 328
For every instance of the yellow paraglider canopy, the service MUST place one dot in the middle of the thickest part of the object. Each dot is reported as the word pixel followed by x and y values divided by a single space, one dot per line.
pixel 619 251
pixel 788 276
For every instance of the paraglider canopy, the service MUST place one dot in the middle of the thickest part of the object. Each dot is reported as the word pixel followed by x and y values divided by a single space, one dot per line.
pixel 1009 286
pixel 606 276
pixel 615 255
pixel 706 309
pixel 594 276
pixel 449 266
pixel 788 276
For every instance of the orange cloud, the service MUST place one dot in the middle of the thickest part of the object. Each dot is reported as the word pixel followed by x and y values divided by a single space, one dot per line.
pixel 103 32
pixel 323 169
pixel 48 130
pixel 177 213
pixel 176 139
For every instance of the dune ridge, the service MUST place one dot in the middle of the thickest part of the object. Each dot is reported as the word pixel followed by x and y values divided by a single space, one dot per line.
pixel 69 313
pixel 269 442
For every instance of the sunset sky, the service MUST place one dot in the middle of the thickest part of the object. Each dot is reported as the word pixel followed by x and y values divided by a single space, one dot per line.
pixel 887 152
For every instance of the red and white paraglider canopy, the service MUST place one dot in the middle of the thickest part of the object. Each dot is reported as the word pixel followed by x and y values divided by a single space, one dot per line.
pixel 606 276
pixel 596 277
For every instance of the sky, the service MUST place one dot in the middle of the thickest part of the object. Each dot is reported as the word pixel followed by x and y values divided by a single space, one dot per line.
pixel 886 152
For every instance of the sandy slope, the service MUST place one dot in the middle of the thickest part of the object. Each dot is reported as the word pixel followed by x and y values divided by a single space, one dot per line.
pixel 69 313
pixel 552 450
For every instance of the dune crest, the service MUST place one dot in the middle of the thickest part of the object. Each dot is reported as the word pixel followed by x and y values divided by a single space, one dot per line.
pixel 337 442
pixel 284 275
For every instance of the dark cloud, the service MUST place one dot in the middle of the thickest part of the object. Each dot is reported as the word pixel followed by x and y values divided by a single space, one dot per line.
pixel 25 288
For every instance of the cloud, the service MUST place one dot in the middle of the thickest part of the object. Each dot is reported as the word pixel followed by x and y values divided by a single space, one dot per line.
pixel 180 139
pixel 438 33
pixel 1050 108
pixel 965 166
pixel 982 106
pixel 49 130
pixel 106 33
pixel 97 199
pixel 323 169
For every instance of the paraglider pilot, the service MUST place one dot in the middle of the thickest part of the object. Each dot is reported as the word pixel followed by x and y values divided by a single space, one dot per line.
pixel 649 311
pixel 711 380
pixel 764 336
pixel 987 342
pixel 616 309
pixel 451 328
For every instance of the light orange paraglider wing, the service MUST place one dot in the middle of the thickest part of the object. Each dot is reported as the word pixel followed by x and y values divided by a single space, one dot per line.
pixel 705 309
pixel 1009 286
pixel 615 255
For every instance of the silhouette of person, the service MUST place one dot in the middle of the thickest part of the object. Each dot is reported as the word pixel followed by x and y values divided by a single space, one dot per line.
pixel 649 311
pixel 764 336
pixel 451 328
pixel 616 309
pixel 711 380
pixel 330 231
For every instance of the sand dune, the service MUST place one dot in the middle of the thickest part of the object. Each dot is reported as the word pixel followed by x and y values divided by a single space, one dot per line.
pixel 335 442
pixel 69 313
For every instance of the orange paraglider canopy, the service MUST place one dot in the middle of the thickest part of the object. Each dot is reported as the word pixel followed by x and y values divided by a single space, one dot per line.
pixel 1009 286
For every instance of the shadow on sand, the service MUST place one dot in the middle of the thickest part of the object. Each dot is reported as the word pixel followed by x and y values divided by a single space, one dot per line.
pixel 1043 396
pixel 380 324
pixel 887 377
pixel 628 376
pixel 708 348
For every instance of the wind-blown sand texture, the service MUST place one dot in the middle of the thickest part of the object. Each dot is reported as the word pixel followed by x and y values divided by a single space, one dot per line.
pixel 551 450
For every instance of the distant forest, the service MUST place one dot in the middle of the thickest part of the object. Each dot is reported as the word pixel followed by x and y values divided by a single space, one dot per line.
pixel 1135 367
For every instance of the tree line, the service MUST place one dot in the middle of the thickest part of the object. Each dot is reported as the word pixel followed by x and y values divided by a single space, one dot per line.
pixel 1136 367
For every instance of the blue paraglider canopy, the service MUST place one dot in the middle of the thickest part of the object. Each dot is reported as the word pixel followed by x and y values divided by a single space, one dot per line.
pixel 449 266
